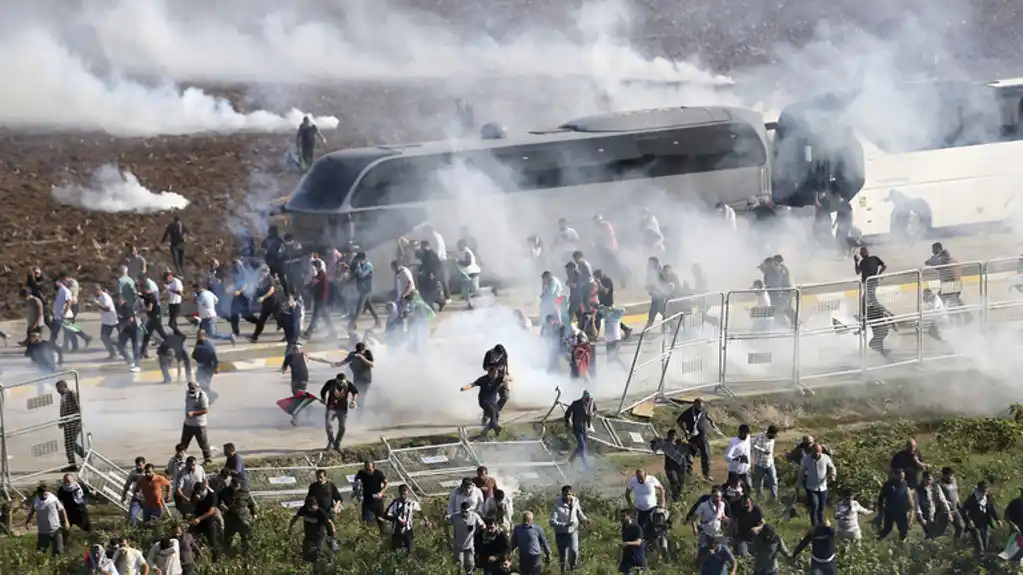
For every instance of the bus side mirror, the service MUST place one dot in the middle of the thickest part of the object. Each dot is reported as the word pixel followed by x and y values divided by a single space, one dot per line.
pixel 808 153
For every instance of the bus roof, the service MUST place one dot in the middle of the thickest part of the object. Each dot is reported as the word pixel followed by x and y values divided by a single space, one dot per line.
pixel 586 127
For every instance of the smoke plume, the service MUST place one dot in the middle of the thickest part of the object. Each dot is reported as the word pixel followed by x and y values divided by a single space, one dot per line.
pixel 53 87
pixel 115 191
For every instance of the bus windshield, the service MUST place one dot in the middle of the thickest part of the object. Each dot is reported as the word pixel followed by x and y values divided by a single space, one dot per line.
pixel 327 183
pixel 814 152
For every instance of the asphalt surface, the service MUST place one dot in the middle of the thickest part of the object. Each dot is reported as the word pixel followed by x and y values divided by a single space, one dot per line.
pixel 129 415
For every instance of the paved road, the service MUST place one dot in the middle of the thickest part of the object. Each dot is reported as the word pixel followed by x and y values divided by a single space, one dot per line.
pixel 128 417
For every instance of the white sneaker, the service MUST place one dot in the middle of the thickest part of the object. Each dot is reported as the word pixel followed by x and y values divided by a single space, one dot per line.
pixel 135 369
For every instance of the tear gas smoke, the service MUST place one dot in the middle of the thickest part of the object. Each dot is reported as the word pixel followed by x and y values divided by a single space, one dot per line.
pixel 54 88
pixel 369 41
pixel 115 191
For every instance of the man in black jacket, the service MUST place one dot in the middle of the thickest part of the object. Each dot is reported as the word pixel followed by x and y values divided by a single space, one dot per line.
pixel 431 274
pixel 175 234
pixel 206 364
pixel 266 299
pixel 325 492
pixel 129 331
pixel 492 546
pixel 676 462
pixel 911 461
pixel 489 386
pixel 172 352
pixel 696 425
pixel 579 417
pixel 338 395
pixel 895 502
pixel 979 514
pixel 361 362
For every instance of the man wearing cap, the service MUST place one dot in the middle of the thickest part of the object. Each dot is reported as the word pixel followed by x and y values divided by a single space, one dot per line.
pixel 339 395
pixel 578 416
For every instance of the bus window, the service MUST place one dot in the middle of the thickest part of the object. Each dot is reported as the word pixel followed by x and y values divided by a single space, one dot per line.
pixel 703 149
pixel 325 185
pixel 401 181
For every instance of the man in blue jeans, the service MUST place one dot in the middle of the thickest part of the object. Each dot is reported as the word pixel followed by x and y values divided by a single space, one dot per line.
pixel 206 304
pixel 579 416
pixel 815 471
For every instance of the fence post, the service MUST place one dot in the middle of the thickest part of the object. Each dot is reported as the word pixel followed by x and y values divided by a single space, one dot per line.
pixel 919 319
pixel 795 346
pixel 666 361
pixel 5 472
pixel 632 370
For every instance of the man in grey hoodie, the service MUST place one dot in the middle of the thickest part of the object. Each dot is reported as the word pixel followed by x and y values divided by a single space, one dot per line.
pixel 815 471
pixel 566 516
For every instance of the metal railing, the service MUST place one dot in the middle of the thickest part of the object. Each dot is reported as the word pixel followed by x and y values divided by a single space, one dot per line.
pixel 825 334
pixel 34 437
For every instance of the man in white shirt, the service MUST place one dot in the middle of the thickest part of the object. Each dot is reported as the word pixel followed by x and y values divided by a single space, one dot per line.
pixel 61 309
pixel 467 491
pixel 764 471
pixel 708 518
pixel 107 320
pixel 728 214
pixel 175 290
pixel 649 495
pixel 404 287
pixel 128 560
pixel 738 456
pixel 206 302
pixel 50 519
pixel 468 272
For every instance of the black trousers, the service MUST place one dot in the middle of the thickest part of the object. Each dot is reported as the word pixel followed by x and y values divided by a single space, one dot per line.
pixel 676 481
pixel 71 432
pixel 212 530
pixel 173 313
pixel 402 540
pixel 267 311
pixel 899 520
pixel 153 325
pixel 199 433
pixel 177 252
pixel 105 333
pixel 699 446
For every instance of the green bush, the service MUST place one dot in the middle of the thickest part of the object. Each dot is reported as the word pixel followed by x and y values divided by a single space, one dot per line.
pixel 979 448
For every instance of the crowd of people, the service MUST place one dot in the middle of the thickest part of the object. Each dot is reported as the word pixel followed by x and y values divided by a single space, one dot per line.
pixel 213 509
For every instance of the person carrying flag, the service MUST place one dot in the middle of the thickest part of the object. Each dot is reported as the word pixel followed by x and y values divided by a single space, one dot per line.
pixel 300 398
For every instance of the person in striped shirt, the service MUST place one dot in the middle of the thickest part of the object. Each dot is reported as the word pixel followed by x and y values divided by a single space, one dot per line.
pixel 400 513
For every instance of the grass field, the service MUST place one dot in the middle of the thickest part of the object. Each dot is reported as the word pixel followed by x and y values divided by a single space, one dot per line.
pixel 863 428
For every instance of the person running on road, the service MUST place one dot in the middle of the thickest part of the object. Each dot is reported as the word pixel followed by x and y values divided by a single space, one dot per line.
pixel 339 395
pixel 489 398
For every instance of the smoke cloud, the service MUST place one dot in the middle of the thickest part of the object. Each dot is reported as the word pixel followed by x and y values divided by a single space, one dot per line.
pixel 54 88
pixel 114 191
pixel 368 41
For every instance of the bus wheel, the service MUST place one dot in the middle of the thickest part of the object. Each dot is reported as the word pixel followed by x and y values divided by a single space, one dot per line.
pixel 913 223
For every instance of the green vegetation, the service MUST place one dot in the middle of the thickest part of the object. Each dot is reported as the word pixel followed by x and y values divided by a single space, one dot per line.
pixel 862 430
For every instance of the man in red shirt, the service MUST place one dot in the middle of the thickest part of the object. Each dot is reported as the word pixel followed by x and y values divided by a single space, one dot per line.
pixel 320 290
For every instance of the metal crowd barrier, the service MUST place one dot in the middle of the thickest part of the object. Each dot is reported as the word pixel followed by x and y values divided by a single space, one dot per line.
pixel 34 437
pixel 826 334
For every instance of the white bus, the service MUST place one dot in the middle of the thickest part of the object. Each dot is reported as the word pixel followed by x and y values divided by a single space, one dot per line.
pixel 610 164
pixel 936 155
